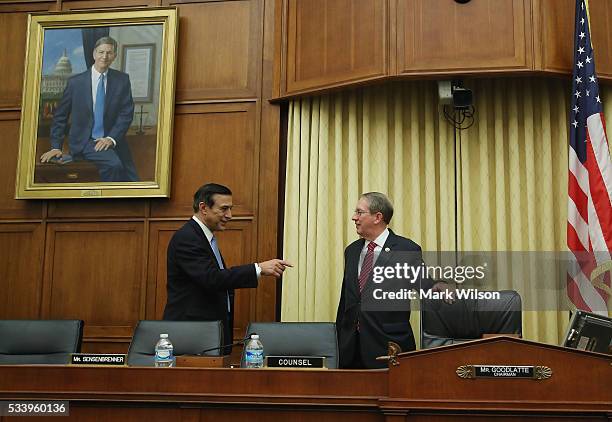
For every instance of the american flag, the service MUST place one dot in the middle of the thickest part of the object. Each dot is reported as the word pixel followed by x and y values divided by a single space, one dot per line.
pixel 589 217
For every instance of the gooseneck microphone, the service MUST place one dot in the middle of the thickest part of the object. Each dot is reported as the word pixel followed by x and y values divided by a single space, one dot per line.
pixel 248 337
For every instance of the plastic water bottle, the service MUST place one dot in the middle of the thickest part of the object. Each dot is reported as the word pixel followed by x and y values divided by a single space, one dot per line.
pixel 164 352
pixel 254 352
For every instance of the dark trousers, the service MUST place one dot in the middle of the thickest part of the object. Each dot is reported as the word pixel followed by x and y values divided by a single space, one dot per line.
pixel 357 362
pixel 108 163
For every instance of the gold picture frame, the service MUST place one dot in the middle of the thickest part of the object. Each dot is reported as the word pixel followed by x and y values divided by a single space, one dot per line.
pixel 63 152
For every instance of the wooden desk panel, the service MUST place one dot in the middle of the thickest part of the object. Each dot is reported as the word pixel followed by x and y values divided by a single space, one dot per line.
pixel 424 387
pixel 198 385
pixel 196 394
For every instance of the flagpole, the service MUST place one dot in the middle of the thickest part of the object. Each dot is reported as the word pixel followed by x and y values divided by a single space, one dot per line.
pixel 586 5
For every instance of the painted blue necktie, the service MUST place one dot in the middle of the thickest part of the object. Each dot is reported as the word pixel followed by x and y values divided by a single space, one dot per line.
pixel 215 248
pixel 98 127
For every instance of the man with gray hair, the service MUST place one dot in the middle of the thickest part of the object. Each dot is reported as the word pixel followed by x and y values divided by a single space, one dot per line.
pixel 99 107
pixel 364 333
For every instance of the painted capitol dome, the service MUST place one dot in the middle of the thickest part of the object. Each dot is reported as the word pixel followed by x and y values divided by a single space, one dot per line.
pixel 53 84
pixel 63 66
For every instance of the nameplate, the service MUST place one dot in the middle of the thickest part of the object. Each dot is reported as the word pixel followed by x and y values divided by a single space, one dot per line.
pixel 98 359
pixel 90 192
pixel 504 371
pixel 312 362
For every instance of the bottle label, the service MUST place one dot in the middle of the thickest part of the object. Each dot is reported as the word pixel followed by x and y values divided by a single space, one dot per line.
pixel 164 354
pixel 254 356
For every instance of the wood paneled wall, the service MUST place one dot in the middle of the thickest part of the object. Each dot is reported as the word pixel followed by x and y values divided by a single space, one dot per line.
pixel 104 261
pixel 325 44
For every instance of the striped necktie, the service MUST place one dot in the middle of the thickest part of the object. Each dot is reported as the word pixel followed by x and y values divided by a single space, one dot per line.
pixel 366 267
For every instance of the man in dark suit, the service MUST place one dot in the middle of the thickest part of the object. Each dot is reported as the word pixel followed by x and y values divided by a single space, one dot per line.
pixel 200 286
pixel 363 332
pixel 99 104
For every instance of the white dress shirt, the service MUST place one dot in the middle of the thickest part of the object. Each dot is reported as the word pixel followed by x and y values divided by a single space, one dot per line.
pixel 380 241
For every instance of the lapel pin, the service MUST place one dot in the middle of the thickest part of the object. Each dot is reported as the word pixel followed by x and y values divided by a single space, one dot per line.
pixel 387 250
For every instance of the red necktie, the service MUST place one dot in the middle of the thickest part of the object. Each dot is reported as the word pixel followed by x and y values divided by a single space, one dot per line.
pixel 366 267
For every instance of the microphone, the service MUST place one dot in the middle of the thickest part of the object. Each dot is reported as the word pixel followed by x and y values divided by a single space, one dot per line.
pixel 248 337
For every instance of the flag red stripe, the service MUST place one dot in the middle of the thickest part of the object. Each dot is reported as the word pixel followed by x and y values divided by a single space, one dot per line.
pixel 599 194
pixel 574 294
pixel 587 262
pixel 573 241
pixel 578 196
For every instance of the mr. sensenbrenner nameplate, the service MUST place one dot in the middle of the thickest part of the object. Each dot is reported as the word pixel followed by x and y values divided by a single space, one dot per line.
pixel 295 362
pixel 504 371
pixel 97 359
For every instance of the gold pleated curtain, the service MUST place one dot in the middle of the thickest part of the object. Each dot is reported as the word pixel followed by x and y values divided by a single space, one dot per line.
pixel 513 181
pixel 511 186
pixel 341 145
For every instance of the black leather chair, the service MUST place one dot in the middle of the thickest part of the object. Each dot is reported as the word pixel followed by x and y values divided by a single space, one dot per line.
pixel 469 319
pixel 30 342
pixel 187 337
pixel 297 339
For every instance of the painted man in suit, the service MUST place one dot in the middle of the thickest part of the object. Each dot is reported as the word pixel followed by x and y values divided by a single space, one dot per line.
pixel 200 286
pixel 363 334
pixel 98 103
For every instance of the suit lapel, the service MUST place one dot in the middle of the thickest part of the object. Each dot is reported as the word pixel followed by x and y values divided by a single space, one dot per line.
pixel 110 86
pixel 90 96
pixel 204 240
pixel 387 249
pixel 352 264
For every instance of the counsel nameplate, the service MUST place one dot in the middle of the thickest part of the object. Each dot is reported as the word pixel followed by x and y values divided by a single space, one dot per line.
pixel 98 359
pixel 312 362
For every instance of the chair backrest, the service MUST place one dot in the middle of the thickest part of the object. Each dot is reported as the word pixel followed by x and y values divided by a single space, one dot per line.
pixel 187 337
pixel 469 319
pixel 31 342
pixel 297 339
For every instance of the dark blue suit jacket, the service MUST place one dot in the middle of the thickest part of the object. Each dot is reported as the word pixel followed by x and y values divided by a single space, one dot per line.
pixel 197 287
pixel 376 328
pixel 77 105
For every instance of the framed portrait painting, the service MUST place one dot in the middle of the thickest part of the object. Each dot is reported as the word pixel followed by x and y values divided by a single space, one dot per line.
pixel 98 104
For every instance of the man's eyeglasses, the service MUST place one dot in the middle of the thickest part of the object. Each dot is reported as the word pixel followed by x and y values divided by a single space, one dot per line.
pixel 361 212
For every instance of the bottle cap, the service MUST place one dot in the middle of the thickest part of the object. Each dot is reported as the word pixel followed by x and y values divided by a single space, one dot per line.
pixel 255 336
pixel 163 336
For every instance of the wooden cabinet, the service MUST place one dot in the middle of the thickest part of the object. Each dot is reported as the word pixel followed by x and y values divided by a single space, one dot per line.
pixel 553 35
pixel 442 36
pixel 330 43
pixel 600 16
pixel 553 22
